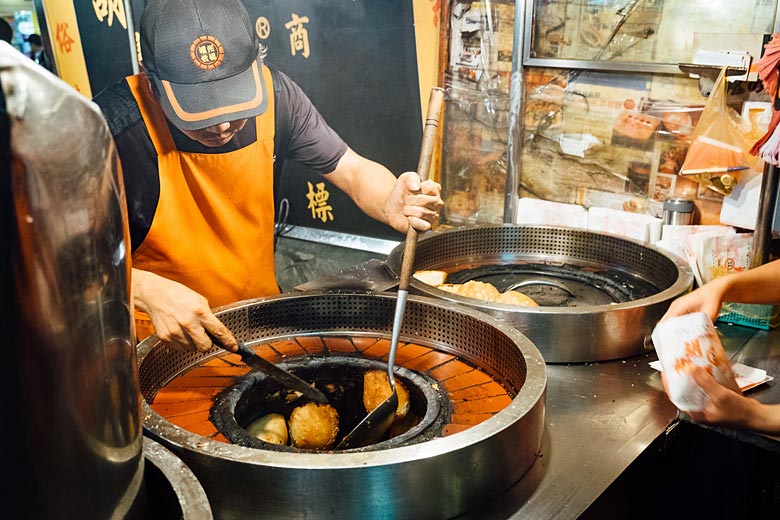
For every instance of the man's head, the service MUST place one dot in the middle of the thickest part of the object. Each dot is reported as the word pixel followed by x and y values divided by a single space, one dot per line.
pixel 203 58
pixel 216 135
pixel 35 41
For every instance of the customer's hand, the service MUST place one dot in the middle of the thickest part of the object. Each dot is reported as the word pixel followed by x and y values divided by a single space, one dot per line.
pixel 707 298
pixel 724 407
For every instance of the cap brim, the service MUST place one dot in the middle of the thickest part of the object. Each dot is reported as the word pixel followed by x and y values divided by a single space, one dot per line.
pixel 192 106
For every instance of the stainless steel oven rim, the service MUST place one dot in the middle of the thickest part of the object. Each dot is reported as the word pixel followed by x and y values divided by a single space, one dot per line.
pixel 459 472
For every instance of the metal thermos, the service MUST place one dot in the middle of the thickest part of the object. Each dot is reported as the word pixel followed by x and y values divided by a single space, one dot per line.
pixel 678 212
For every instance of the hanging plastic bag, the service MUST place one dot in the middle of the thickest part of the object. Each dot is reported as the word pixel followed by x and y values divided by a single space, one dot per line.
pixel 720 145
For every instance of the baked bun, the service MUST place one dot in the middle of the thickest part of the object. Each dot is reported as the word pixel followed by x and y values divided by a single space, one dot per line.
pixel 314 426
pixel 431 277
pixel 516 298
pixel 487 292
pixel 376 389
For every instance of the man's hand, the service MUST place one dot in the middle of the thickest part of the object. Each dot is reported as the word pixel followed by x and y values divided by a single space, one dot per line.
pixel 178 313
pixel 397 202
pixel 415 203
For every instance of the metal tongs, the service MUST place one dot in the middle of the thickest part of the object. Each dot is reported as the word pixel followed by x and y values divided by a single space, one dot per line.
pixel 281 376
pixel 378 421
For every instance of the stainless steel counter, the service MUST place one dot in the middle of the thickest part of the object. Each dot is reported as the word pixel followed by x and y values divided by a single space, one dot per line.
pixel 602 416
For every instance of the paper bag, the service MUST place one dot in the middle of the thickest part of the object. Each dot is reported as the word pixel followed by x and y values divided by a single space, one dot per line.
pixel 686 341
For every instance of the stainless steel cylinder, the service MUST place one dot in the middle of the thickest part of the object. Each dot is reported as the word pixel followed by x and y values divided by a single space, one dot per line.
pixel 594 332
pixel 678 212
pixel 172 487
pixel 72 408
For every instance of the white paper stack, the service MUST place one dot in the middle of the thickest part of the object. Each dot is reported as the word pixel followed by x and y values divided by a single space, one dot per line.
pixel 770 150
pixel 678 240
pixel 547 213
pixel 720 255
pixel 747 377
pixel 644 228
pixel 740 207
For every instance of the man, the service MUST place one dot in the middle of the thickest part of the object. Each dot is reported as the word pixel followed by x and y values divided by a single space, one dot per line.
pixel 37 52
pixel 200 135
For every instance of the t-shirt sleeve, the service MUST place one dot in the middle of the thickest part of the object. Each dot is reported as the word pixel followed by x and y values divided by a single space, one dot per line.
pixel 305 136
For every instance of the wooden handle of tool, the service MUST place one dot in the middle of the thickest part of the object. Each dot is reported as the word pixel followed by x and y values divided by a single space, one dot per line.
pixel 435 102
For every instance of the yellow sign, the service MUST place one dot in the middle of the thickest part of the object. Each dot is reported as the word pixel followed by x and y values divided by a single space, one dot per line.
pixel 318 202
pixel 426 29
pixel 299 35
pixel 66 45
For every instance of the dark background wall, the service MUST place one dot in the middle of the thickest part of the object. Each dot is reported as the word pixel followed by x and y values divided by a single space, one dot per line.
pixel 361 74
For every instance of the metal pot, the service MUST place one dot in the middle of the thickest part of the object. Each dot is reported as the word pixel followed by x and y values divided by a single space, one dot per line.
pixel 622 287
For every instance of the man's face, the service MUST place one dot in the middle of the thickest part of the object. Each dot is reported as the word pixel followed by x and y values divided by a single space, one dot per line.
pixel 217 135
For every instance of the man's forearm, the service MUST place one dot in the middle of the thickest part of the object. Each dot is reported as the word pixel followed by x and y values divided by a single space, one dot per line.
pixel 367 183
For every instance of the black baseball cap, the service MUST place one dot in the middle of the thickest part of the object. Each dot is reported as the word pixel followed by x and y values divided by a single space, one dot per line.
pixel 203 56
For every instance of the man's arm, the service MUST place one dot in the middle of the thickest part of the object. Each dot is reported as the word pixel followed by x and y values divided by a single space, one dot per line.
pixel 304 136
pixel 393 201
pixel 178 313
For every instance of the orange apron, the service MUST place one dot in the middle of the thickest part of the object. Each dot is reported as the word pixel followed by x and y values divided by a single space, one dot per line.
pixel 214 224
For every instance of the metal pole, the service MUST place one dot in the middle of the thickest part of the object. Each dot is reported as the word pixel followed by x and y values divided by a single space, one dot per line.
pixel 766 213
pixel 516 118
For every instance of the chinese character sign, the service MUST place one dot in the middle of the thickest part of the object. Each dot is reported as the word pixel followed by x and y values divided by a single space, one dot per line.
pixel 107 48
pixel 319 43
pixel 64 40
pixel 108 9
pixel 318 202
pixel 299 36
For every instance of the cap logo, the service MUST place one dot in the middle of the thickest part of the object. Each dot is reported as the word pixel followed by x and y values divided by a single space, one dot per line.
pixel 207 52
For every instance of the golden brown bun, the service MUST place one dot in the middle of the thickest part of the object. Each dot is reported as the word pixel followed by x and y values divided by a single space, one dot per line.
pixel 431 277
pixel 487 292
pixel 314 426
pixel 376 389
pixel 516 298
pixel 473 289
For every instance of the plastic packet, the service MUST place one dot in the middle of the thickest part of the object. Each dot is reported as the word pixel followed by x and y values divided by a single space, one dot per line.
pixel 721 143
pixel 686 341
